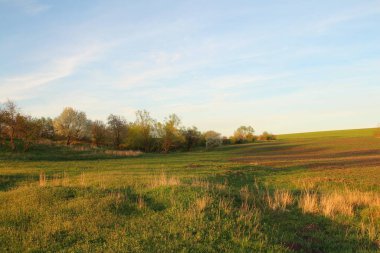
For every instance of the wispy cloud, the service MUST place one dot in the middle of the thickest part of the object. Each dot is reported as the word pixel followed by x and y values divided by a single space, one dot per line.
pixel 56 69
pixel 31 7
pixel 346 16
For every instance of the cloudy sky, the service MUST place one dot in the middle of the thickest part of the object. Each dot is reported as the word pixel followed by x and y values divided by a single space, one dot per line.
pixel 282 66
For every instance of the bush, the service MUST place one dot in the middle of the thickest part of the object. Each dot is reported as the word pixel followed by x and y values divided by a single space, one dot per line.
pixel 213 139
pixel 267 137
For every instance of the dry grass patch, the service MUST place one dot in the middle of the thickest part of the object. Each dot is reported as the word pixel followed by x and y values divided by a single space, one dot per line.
pixel 202 203
pixel 42 179
pixel 123 152
pixel 164 180
pixel 280 201
pixel 308 202
pixel 140 202
pixel 197 182
pixel 225 205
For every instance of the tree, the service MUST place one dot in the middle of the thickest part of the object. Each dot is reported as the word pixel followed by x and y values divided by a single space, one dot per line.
pixel 144 127
pixel 171 135
pixel 98 133
pixel 28 130
pixel 71 124
pixel 267 136
pixel 191 136
pixel 10 113
pixel 47 128
pixel 117 126
pixel 243 134
pixel 213 139
pixel 2 126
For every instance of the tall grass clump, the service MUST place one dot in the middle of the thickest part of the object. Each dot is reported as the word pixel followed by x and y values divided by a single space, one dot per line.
pixel 308 202
pixel 42 179
pixel 164 180
pixel 280 200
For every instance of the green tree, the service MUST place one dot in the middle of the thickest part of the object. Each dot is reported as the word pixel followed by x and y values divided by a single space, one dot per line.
pixel 144 127
pixel 171 134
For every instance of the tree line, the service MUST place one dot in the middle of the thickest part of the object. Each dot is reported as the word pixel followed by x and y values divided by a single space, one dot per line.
pixel 71 127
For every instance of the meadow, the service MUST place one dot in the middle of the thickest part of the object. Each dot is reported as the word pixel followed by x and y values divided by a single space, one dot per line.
pixel 313 192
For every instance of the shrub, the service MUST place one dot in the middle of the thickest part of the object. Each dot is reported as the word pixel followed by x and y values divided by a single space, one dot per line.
pixel 267 136
pixel 213 139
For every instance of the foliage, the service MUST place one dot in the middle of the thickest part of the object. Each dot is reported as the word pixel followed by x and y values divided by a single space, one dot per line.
pixel 213 139
pixel 71 124
pixel 98 133
pixel 192 137
pixel 265 136
pixel 144 134
pixel 117 126
pixel 170 133
pixel 243 134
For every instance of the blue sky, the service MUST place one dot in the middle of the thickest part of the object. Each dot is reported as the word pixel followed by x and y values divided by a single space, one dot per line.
pixel 282 66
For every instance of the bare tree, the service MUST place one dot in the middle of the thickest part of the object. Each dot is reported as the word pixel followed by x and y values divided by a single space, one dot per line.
pixel 71 124
pixel 98 133
pixel 10 113
pixel 47 128
pixel 2 126
pixel 28 130
pixel 117 126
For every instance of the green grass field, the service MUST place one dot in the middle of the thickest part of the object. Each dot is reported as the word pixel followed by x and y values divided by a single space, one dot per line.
pixel 314 192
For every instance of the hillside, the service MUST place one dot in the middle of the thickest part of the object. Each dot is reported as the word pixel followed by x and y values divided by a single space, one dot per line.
pixel 310 192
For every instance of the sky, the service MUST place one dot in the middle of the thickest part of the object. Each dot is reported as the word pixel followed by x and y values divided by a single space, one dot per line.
pixel 281 66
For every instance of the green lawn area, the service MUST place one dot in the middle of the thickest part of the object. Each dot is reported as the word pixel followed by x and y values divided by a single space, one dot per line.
pixel 311 192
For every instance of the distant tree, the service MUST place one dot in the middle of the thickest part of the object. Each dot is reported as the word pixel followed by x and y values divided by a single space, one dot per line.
pixel 191 136
pixel 213 139
pixel 28 130
pixel 71 124
pixel 144 127
pixel 226 140
pixel 2 126
pixel 171 135
pixel 47 128
pixel 243 134
pixel 117 126
pixel 265 136
pixel 98 133
pixel 9 115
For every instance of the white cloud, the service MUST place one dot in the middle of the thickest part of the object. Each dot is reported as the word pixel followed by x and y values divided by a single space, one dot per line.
pixel 19 86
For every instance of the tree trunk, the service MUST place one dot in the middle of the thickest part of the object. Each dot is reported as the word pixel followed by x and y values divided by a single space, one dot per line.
pixel 68 140
pixel 12 141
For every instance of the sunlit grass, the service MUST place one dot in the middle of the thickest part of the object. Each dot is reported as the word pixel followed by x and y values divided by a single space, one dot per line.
pixel 288 195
